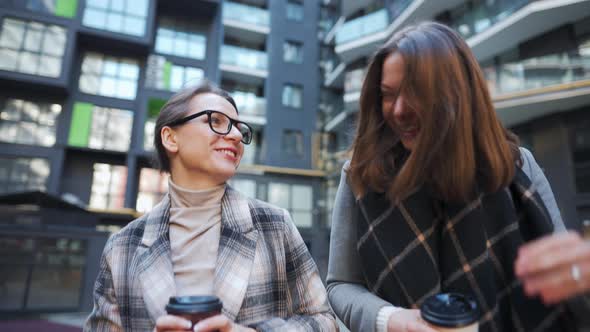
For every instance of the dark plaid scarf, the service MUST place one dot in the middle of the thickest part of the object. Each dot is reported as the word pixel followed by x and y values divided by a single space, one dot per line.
pixel 421 247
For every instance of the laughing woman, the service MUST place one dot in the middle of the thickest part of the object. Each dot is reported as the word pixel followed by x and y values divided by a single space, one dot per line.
pixel 438 197
pixel 206 238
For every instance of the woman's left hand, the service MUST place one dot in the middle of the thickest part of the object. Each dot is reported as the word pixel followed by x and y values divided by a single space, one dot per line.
pixel 554 267
pixel 220 323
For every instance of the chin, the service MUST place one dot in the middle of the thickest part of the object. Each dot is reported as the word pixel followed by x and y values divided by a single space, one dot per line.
pixel 408 145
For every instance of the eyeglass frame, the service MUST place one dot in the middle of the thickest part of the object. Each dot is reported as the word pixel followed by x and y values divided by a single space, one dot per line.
pixel 232 123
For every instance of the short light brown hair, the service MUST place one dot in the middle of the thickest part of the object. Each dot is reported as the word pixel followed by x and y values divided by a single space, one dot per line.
pixel 176 108
pixel 461 145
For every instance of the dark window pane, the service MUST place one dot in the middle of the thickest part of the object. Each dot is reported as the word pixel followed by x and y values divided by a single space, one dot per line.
pixel 294 11
pixel 293 52
pixel 293 142
pixel 292 95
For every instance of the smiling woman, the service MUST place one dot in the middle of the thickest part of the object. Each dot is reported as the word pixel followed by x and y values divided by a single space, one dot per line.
pixel 204 238
pixel 438 197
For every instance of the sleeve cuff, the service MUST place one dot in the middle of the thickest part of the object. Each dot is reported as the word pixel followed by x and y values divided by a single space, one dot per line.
pixel 383 317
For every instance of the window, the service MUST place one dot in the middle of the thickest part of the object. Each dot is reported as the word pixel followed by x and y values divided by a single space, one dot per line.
pixel 59 267
pixel 26 122
pixel 164 75
pixel 297 199
pixel 122 16
pixel 292 143
pixel 252 152
pixel 180 39
pixel 17 255
pixel 154 107
pixel 294 11
pixel 292 95
pixel 293 52
pixel 100 127
pixel 109 76
pixel 244 186
pixel 108 186
pixel 153 185
pixel 23 174
pixel 35 269
pixel 32 47
pixel 63 8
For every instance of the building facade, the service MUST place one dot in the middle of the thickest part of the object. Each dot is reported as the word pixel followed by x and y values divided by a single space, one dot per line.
pixel 536 58
pixel 83 82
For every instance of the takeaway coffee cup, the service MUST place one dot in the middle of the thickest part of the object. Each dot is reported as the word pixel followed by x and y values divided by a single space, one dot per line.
pixel 194 308
pixel 450 312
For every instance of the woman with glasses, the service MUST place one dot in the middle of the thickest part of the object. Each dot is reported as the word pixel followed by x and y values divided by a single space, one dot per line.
pixel 205 238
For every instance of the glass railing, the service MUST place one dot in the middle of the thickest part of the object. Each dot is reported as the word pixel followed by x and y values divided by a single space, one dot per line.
pixel 396 8
pixel 353 80
pixel 538 72
pixel 330 102
pixel 243 57
pixel 247 14
pixel 363 26
pixel 486 14
pixel 249 103
pixel 328 64
pixel 328 17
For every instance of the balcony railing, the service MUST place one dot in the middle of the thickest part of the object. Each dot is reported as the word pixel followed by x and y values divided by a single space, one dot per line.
pixel 243 57
pixel 249 103
pixel 538 72
pixel 246 14
pixel 485 15
pixel 363 26
pixel 353 80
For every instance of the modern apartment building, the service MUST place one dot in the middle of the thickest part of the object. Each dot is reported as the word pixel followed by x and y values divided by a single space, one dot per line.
pixel 535 55
pixel 82 82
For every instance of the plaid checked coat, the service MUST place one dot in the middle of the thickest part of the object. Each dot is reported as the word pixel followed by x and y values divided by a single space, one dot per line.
pixel 264 276
pixel 418 248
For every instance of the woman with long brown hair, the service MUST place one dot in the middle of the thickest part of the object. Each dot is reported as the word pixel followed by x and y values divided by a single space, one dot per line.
pixel 438 196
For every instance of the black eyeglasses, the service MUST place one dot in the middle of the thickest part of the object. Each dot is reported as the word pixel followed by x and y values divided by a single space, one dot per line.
pixel 220 123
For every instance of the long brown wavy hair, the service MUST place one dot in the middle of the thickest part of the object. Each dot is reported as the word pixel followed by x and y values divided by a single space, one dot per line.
pixel 461 148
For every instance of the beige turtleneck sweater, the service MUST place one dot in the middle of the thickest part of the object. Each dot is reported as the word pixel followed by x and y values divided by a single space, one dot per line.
pixel 195 229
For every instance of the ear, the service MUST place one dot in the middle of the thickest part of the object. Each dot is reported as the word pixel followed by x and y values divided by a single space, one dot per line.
pixel 169 139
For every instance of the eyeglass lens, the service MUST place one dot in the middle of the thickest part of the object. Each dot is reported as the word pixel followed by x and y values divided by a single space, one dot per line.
pixel 221 124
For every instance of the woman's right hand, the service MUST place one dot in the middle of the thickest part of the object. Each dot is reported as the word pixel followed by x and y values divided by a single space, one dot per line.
pixel 170 323
pixel 407 320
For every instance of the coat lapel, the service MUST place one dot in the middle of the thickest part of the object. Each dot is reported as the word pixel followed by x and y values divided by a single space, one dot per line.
pixel 154 261
pixel 237 248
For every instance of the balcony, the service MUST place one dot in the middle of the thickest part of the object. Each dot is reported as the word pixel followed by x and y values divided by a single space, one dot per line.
pixel 484 15
pixel 243 64
pixel 249 23
pixel 539 86
pixel 330 106
pixel 350 6
pixel 400 13
pixel 353 83
pixel 362 26
pixel 332 70
pixel 252 108
pixel 517 22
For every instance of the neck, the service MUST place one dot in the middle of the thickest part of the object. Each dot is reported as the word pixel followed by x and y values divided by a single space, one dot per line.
pixel 194 182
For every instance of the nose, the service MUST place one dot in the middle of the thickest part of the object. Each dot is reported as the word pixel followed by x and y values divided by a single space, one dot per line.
pixel 401 112
pixel 234 134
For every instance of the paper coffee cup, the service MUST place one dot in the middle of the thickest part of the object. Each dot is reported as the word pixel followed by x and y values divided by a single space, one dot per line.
pixel 194 308
pixel 451 312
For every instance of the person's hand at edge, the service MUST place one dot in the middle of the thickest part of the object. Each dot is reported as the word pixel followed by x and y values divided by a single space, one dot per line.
pixel 554 267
